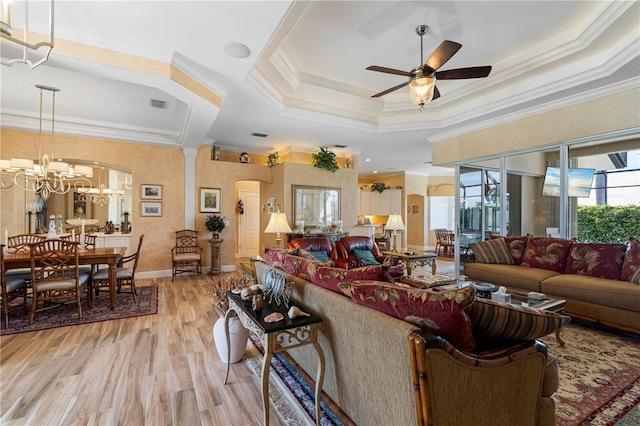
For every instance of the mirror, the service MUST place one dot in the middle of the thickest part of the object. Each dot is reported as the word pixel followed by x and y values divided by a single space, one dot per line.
pixel 316 208
pixel 74 204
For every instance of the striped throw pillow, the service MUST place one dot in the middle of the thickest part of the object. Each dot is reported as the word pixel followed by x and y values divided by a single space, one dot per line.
pixel 503 321
pixel 492 251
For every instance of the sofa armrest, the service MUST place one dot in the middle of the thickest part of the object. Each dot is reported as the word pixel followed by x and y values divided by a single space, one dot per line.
pixel 345 263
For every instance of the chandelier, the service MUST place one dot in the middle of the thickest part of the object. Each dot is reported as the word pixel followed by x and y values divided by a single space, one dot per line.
pixel 47 176
pixel 29 42
pixel 100 195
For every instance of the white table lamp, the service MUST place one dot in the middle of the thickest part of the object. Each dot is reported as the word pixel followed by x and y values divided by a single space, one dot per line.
pixel 394 223
pixel 277 224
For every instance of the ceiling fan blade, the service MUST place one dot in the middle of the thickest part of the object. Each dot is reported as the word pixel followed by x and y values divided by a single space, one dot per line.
pixel 462 73
pixel 399 86
pixel 436 93
pixel 389 70
pixel 441 55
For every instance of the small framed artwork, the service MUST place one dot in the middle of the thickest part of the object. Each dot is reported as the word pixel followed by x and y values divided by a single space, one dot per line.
pixel 271 205
pixel 151 192
pixel 151 209
pixel 210 200
pixel 78 206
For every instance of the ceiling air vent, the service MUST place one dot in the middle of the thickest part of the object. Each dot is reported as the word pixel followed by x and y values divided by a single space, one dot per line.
pixel 259 135
pixel 155 103
pixel 339 146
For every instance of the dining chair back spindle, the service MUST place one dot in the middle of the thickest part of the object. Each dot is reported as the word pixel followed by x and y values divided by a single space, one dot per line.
pixel 21 242
pixel 55 276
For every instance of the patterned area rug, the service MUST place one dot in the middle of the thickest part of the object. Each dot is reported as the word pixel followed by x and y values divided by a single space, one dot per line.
pixel 68 314
pixel 599 376
pixel 292 396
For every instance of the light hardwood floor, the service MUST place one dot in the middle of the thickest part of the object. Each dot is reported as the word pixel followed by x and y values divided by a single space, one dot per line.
pixel 156 370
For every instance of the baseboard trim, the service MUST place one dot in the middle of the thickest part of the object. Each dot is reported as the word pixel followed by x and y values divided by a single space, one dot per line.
pixel 169 272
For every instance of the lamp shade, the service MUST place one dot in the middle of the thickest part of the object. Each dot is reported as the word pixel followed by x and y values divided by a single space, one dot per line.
pixel 394 223
pixel 421 89
pixel 277 224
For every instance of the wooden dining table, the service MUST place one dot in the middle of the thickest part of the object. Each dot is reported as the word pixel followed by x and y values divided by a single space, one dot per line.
pixel 95 256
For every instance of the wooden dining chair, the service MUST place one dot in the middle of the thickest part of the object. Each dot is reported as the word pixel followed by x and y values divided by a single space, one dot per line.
pixel 21 242
pixel 12 288
pixel 125 276
pixel 55 276
pixel 186 255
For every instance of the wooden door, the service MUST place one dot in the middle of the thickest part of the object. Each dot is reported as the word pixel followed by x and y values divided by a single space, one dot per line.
pixel 249 224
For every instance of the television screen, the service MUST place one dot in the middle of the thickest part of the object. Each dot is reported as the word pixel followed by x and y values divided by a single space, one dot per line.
pixel 579 182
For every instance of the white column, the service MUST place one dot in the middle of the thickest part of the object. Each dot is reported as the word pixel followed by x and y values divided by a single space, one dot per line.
pixel 189 187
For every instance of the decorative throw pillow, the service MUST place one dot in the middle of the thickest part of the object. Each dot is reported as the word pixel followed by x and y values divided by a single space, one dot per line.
pixel 631 265
pixel 546 253
pixel 503 321
pixel 517 246
pixel 492 251
pixel 366 256
pixel 273 254
pixel 329 278
pixel 595 260
pixel 441 312
pixel 322 256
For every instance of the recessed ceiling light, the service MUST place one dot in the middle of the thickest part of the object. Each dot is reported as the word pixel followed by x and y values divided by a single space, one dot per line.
pixel 375 171
pixel 368 159
pixel 237 50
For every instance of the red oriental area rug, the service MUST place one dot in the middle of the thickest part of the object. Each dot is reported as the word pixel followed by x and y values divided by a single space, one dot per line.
pixel 68 314
pixel 599 377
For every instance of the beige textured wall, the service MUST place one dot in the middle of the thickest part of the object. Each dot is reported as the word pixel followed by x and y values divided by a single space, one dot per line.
pixel 620 111
pixel 149 164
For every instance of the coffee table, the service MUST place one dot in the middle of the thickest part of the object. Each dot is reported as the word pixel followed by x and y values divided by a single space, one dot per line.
pixel 413 260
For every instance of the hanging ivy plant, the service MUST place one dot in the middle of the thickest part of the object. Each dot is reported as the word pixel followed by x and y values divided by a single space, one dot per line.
pixel 273 159
pixel 325 159
pixel 378 186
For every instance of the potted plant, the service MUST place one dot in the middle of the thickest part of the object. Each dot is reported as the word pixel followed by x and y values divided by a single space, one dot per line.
pixel 378 186
pixel 215 224
pixel 273 159
pixel 325 159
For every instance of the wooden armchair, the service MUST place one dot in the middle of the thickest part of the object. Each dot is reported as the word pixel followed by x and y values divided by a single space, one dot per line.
pixel 12 288
pixel 445 242
pixel 125 276
pixel 508 385
pixel 21 242
pixel 186 255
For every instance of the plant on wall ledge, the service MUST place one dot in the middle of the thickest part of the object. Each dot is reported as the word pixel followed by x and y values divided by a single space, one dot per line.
pixel 378 186
pixel 273 159
pixel 325 159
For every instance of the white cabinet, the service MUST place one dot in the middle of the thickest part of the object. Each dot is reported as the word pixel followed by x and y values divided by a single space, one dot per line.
pixel 114 240
pixel 381 203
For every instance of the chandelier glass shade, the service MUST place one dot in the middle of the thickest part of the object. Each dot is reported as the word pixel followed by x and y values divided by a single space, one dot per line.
pixel 421 89
pixel 45 176
pixel 20 34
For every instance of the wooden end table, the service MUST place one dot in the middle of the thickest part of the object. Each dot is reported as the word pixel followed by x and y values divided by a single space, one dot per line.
pixel 413 260
pixel 277 337
pixel 548 304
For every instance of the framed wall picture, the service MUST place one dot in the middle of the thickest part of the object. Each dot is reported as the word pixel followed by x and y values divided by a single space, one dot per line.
pixel 78 206
pixel 149 208
pixel 151 192
pixel 210 199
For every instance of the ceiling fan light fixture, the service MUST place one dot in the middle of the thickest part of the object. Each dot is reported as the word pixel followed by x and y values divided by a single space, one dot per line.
pixel 421 89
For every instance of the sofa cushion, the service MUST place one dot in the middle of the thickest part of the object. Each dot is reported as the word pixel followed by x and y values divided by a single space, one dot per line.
pixel 441 312
pixel 527 279
pixel 504 321
pixel 517 245
pixel 329 278
pixel 492 251
pixel 273 254
pixel 631 265
pixel 317 256
pixel 366 256
pixel 598 291
pixel 322 256
pixel 595 260
pixel 546 253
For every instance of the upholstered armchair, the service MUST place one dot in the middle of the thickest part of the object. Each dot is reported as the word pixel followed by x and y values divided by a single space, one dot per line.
pixel 507 385
pixel 322 245
pixel 354 247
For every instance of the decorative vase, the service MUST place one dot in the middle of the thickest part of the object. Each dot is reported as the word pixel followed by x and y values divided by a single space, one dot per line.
pixel 215 236
pixel 238 336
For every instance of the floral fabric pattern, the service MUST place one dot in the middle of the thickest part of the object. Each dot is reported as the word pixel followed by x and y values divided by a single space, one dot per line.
pixel 517 246
pixel 595 260
pixel 546 253
pixel 329 278
pixel 631 265
pixel 440 311
pixel 272 254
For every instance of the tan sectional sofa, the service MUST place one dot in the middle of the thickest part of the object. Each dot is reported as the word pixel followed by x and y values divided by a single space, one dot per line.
pixel 372 359
pixel 613 302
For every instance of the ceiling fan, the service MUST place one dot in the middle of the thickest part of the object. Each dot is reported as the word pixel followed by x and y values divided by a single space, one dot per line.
pixel 422 79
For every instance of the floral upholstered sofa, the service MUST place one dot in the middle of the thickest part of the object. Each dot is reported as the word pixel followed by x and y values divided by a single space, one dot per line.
pixel 600 282
pixel 379 338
